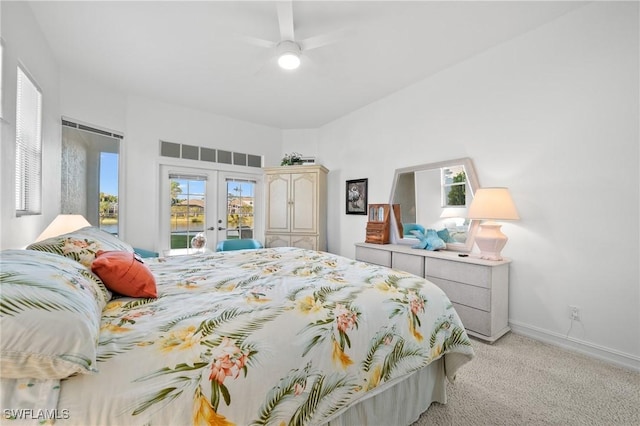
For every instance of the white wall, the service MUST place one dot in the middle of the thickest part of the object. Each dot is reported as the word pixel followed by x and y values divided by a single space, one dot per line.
pixel 553 115
pixel 89 102
pixel 25 44
pixel 302 141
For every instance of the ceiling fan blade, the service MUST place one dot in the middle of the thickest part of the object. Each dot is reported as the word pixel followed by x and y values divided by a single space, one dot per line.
pixel 323 39
pixel 285 19
pixel 260 42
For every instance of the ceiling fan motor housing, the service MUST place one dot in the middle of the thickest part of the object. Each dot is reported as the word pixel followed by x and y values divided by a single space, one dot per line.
pixel 288 53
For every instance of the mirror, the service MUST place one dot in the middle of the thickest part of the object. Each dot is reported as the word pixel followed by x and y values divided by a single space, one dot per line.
pixel 436 196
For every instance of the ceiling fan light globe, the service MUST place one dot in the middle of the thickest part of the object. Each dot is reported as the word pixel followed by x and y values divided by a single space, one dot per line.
pixel 289 61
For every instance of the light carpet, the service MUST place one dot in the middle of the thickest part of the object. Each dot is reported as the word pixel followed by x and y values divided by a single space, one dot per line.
pixel 520 381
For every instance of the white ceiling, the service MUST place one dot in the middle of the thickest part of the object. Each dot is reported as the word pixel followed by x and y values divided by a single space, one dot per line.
pixel 196 54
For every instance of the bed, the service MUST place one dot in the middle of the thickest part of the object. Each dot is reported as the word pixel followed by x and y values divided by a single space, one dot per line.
pixel 249 337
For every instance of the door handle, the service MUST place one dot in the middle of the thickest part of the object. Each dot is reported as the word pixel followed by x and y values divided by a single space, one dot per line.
pixel 220 228
pixel 211 228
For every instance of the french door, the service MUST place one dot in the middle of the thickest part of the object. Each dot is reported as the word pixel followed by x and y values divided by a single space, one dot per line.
pixel 217 204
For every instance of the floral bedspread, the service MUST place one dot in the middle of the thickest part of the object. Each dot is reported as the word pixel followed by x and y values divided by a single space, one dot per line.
pixel 271 336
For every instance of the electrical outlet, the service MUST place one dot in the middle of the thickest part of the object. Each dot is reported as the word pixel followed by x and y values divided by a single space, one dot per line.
pixel 574 313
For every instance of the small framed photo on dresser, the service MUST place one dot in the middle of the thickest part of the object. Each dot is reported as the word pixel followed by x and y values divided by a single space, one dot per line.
pixel 356 196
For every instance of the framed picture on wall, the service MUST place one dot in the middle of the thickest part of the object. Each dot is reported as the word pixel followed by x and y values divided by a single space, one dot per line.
pixel 356 196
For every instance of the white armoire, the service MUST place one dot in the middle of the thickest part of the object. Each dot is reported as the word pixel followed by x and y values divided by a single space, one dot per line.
pixel 296 207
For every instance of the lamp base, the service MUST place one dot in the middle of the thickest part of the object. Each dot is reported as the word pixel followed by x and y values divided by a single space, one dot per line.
pixel 490 240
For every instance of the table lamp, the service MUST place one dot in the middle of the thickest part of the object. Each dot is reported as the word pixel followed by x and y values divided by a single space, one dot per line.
pixel 62 224
pixel 490 204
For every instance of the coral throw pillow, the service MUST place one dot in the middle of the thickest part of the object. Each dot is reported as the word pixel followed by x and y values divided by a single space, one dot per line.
pixel 124 273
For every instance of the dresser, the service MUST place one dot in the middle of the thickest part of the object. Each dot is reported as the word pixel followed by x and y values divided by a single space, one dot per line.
pixel 296 207
pixel 478 288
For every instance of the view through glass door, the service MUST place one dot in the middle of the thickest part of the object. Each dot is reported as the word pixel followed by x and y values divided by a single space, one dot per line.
pixel 239 205
pixel 188 208
pixel 219 204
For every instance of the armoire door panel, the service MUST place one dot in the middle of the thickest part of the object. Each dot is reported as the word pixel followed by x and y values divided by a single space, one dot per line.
pixel 279 206
pixel 304 195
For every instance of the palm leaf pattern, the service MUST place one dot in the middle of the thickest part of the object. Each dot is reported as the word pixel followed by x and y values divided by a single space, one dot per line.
pixel 315 391
pixel 283 391
pixel 382 338
pixel 335 386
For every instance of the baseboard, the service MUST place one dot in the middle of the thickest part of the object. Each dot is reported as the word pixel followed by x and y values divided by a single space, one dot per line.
pixel 612 356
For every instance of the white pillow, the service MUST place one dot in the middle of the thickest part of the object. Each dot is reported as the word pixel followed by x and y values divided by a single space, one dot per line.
pixel 50 310
pixel 82 245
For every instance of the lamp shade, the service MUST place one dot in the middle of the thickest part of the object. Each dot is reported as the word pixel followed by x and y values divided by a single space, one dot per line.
pixel 62 224
pixel 493 204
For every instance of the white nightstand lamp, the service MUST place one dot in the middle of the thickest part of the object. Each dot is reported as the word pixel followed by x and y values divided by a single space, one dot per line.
pixel 492 204
pixel 62 224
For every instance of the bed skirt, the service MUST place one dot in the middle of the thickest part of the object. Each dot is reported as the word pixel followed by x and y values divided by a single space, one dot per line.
pixel 400 404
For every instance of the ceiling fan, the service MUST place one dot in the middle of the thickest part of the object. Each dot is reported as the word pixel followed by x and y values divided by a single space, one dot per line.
pixel 288 50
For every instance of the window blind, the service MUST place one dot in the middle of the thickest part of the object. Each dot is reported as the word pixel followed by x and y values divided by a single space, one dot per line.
pixel 28 146
pixel 240 180
pixel 183 176
pixel 1 77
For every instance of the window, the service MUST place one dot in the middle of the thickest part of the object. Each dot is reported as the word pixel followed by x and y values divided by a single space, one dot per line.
pixel 90 158
pixel 109 192
pixel 28 146
pixel 454 181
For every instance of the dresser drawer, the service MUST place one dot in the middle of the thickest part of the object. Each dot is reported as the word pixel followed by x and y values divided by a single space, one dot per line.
pixel 378 257
pixel 468 273
pixel 474 319
pixel 408 263
pixel 464 294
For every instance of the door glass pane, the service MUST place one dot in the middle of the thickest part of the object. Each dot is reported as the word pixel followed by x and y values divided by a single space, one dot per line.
pixel 187 210
pixel 109 192
pixel 240 208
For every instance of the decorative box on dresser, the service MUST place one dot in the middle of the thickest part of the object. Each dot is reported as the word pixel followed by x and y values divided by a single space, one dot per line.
pixel 478 288
pixel 296 207
pixel 379 224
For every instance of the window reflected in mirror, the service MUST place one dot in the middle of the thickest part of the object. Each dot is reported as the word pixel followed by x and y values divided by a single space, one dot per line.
pixel 454 181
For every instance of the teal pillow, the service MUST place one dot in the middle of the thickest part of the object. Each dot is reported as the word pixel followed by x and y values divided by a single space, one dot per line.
pixel 434 242
pixel 145 253
pixel 429 241
pixel 444 235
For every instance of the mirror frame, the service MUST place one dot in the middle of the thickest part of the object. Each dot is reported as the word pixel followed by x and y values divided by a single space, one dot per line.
pixel 472 181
